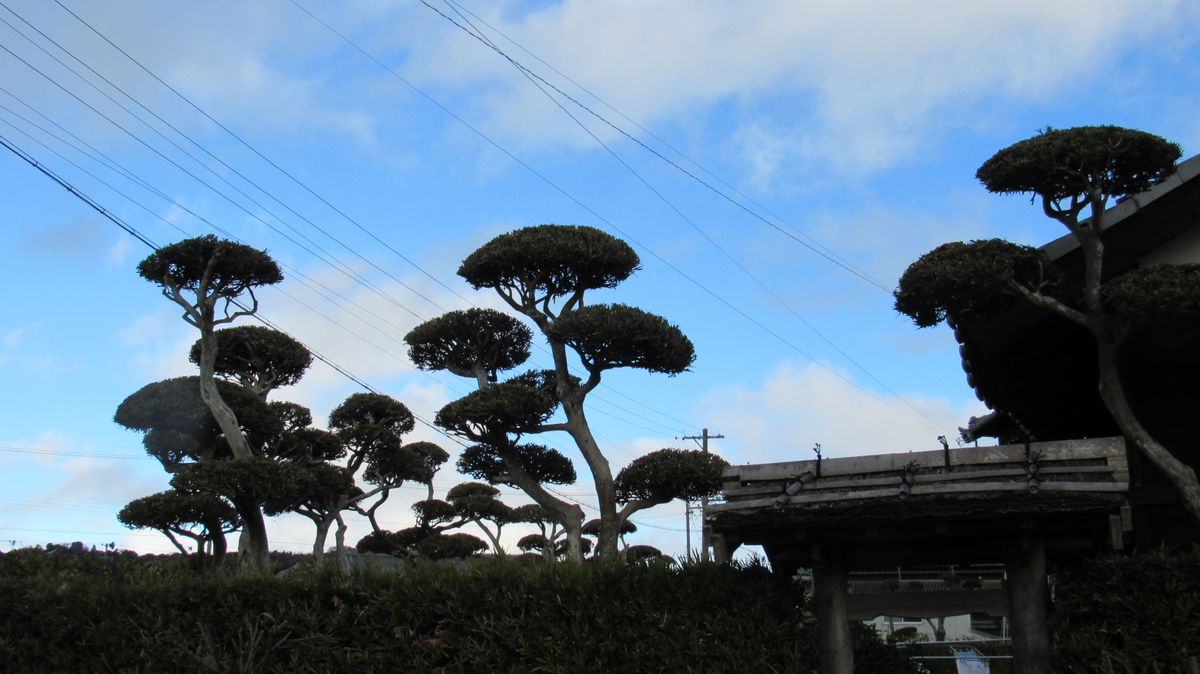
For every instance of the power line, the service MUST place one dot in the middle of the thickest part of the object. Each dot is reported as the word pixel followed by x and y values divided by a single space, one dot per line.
pixel 530 76
pixel 332 260
pixel 256 151
pixel 665 144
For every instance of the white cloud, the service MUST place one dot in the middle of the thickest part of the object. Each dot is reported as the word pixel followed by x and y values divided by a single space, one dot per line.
pixel 878 76
pixel 797 406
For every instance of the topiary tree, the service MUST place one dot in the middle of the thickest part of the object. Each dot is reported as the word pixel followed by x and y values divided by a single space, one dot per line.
pixel 204 518
pixel 206 276
pixel 367 433
pixel 1073 172
pixel 479 503
pixel 665 475
pixel 259 359
pixel 544 273
pixel 181 431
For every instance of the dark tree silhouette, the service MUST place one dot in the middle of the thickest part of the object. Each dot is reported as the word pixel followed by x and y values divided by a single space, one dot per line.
pixel 544 273
pixel 207 277
pixel 1072 171
pixel 204 518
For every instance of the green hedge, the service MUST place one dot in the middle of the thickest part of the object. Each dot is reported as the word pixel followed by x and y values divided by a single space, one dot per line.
pixel 113 614
pixel 1123 615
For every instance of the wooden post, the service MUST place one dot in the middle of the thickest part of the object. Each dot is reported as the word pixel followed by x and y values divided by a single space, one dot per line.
pixel 1027 596
pixel 829 601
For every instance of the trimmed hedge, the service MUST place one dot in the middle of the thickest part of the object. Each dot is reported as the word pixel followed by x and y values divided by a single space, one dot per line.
pixel 1129 615
pixel 113 614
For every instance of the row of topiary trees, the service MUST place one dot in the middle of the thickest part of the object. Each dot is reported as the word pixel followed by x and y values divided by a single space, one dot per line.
pixel 236 457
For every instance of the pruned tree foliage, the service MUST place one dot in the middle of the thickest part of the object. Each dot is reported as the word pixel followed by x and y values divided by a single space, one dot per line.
pixel 1145 293
pixel 543 273
pixel 371 409
pixel 179 427
pixel 1070 164
pixel 474 343
pixel 550 261
pixel 544 464
pixel 494 411
pixel 667 474
pixel 1070 170
pixel 607 336
pixel 258 358
pixel 207 276
pixel 979 277
pixel 204 518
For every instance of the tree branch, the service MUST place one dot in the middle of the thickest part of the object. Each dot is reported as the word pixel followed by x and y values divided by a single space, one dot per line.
pixel 1050 304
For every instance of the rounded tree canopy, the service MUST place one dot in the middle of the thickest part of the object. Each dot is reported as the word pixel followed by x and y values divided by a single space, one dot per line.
pixel 172 510
pixel 532 543
pixel 258 358
pixel 531 513
pixel 432 455
pixel 450 546
pixel 391 542
pixel 616 335
pixel 668 474
pixel 592 528
pixel 507 407
pixel 550 260
pixel 1061 163
pixel 372 409
pixel 642 553
pixel 467 489
pixel 324 486
pixel 960 278
pixel 170 409
pixel 1154 291
pixel 228 267
pixel 263 480
pixel 460 341
pixel 433 512
pixel 546 465
pixel 306 445
pixel 391 466
pixel 291 415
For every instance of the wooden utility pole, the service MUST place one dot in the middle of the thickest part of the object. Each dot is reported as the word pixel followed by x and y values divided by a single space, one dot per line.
pixel 702 440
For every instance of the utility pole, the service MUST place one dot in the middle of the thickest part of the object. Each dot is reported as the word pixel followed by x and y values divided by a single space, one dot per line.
pixel 701 440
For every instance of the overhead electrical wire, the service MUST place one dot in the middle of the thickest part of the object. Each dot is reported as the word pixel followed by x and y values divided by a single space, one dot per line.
pixel 153 246
pixel 265 158
pixel 664 143
pixel 556 187
pixel 836 260
pixel 534 79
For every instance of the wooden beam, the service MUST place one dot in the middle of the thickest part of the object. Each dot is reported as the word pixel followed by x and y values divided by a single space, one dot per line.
pixel 1092 448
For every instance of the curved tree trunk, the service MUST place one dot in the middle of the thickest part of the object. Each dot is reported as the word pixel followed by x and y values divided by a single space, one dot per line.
pixel 226 419
pixel 323 525
pixel 602 478
pixel 1112 392
pixel 253 547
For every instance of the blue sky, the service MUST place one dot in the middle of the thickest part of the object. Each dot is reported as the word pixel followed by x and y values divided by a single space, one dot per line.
pixel 855 125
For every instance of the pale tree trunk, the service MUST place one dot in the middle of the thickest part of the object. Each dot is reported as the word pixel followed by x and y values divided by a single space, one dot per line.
pixel 252 546
pixel 1181 476
pixel 340 543
pixel 602 478
pixel 323 525
pixel 224 415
